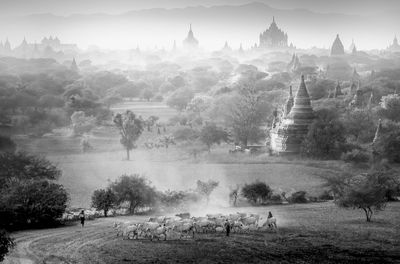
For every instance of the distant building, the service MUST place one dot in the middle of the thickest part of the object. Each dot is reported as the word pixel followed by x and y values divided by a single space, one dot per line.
pixel 294 64
pixel 226 47
pixel 74 66
pixel 394 47
pixel 190 42
pixel 337 47
pixel 273 37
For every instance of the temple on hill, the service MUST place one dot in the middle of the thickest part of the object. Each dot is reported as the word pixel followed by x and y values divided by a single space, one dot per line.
pixel 394 47
pixel 273 37
pixel 190 42
pixel 337 47
pixel 288 133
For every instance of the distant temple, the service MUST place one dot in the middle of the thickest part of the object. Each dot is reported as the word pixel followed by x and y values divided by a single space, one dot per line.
pixel 273 37
pixel 395 47
pixel 294 64
pixel 190 42
pixel 337 47
pixel 288 133
pixel 48 47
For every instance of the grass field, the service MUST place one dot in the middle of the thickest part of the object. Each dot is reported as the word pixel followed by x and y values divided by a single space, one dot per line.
pixel 309 233
pixel 146 109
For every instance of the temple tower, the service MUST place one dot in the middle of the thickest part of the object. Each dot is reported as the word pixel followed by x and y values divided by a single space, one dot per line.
pixel 288 135
pixel 190 42
pixel 337 47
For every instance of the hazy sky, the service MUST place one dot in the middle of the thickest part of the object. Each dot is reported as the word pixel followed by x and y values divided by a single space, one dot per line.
pixel 66 7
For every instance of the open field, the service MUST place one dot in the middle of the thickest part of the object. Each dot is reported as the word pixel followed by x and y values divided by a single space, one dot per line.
pixel 309 233
pixel 146 109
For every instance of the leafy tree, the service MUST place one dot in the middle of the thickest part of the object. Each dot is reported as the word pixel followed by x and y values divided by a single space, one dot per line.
pixel 366 192
pixel 23 166
pixel 166 141
pixel 206 188
pixel 51 101
pixel 130 128
pixel 6 243
pixel 135 190
pixel 7 144
pixel 320 88
pixel 256 192
pixel 388 145
pixel 180 98
pixel 185 134
pixel 112 99
pixel 32 202
pixel 82 123
pixel 325 138
pixel 359 124
pixel 210 134
pixel 247 113
pixel 147 94
pixel 103 200
pixel 390 107
pixel 298 197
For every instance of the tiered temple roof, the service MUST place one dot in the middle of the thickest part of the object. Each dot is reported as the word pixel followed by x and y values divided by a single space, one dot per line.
pixel 273 37
pixel 190 41
pixel 287 136
pixel 337 47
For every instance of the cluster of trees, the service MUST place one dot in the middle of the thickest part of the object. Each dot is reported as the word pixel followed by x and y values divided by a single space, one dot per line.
pixel 135 193
pixel 29 197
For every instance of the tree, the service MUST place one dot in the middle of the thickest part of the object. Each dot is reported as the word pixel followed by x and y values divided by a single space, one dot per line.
pixel 22 166
pixel 366 191
pixel 256 192
pixel 51 101
pixel 81 123
pixel 147 94
pixel 135 190
pixel 32 203
pixel 247 113
pixel 6 243
pixel 210 134
pixel 180 98
pixel 103 200
pixel 359 124
pixel 325 138
pixel 320 88
pixel 390 107
pixel 130 128
pixel 206 188
pixel 388 145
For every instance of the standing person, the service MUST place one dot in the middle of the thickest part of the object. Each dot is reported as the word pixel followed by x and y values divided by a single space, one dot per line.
pixel 227 227
pixel 82 218
pixel 269 215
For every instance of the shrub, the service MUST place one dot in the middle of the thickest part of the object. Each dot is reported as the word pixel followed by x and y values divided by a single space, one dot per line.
pixel 298 197
pixel 6 243
pixel 355 156
pixel 103 200
pixel 257 192
pixel 325 196
pixel 276 198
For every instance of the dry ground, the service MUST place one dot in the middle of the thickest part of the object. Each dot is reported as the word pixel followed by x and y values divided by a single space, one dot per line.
pixel 310 233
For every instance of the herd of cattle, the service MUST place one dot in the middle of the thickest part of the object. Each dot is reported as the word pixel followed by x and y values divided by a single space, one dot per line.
pixel 184 226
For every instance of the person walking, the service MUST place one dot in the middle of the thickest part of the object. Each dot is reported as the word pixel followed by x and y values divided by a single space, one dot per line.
pixel 227 227
pixel 82 218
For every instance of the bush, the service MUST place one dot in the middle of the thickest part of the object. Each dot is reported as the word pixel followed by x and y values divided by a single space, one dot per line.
pixel 257 192
pixel 298 197
pixel 6 243
pixel 276 198
pixel 355 156
pixel 325 196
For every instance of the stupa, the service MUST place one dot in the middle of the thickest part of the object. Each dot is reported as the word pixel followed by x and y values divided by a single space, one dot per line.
pixel 287 136
pixel 337 47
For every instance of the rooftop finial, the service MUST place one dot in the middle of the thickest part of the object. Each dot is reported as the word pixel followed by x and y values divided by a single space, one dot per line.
pixel 273 19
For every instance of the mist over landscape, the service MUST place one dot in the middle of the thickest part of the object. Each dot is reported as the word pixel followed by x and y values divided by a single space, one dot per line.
pixel 210 131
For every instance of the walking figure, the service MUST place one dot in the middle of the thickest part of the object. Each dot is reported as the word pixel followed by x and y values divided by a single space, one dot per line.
pixel 227 227
pixel 82 218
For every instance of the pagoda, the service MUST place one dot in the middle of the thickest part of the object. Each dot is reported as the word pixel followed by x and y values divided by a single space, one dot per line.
pixel 273 37
pixel 190 42
pixel 395 47
pixel 337 47
pixel 289 133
